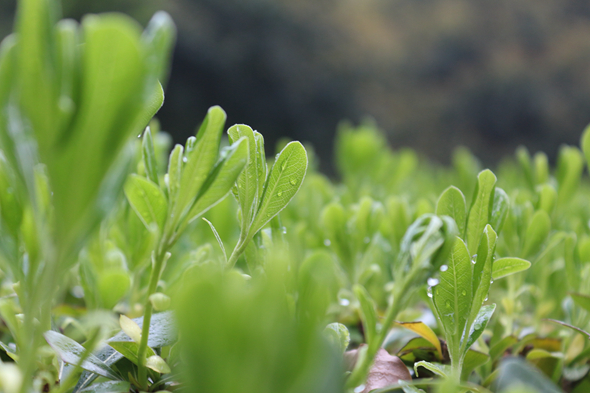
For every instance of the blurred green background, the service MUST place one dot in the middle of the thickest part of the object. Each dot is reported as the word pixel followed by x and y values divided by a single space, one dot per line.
pixel 432 73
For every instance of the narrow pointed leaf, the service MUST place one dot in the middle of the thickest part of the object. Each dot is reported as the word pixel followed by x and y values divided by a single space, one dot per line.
pixel 536 233
pixel 71 352
pixel 175 166
pixel 479 213
pixel 200 160
pixel 147 200
pixel 473 359
pixel 248 181
pixel 506 266
pixel 260 162
pixel 149 156
pixel 222 178
pixel 500 206
pixel 480 323
pixel 219 241
pixel 482 271
pixel 502 346
pixel 368 313
pixel 452 203
pixel 284 180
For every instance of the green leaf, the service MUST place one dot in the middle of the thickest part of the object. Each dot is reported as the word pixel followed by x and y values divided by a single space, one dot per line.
pixel 506 266
pixel 129 350
pixel 536 233
pixel 584 142
pixel 157 364
pixel 473 359
pixel 219 241
pixel 452 203
pixel 200 161
pixel 108 387
pixel 131 328
pixel 502 346
pixel 260 162
pixel 159 37
pixel 160 301
pixel 248 182
pixel 175 167
pixel 424 331
pixel 368 314
pixel 438 369
pixel 453 296
pixel 284 180
pixel 222 178
pixel 581 300
pixel 500 207
pixel 149 156
pixel 113 284
pixel 482 271
pixel 479 324
pixel 547 198
pixel 71 352
pixel 162 331
pixel 569 171
pixel 338 335
pixel 479 213
pixel 147 200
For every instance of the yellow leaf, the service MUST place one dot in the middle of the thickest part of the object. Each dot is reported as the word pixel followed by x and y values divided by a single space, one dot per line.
pixel 424 331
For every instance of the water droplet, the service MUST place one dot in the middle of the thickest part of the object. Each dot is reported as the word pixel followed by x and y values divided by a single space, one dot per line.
pixel 464 292
pixel 284 230
pixel 477 326
pixel 240 186
pixel 327 242
pixel 344 302
pixel 279 193
pixel 429 291
pixel 359 389
pixel 473 261
pixel 432 281
pixel 448 304
pixel 293 181
pixel 184 159
pixel 486 299
pixel 444 268
pixel 491 281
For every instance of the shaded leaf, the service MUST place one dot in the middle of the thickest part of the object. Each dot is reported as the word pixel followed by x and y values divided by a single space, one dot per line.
pixel 71 352
pixel 368 313
pixel 108 387
pixel 438 369
pixel 424 331
pixel 129 350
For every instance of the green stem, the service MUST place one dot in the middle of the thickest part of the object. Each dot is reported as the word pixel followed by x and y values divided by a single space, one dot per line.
pixel 399 299
pixel 147 317
pixel 238 250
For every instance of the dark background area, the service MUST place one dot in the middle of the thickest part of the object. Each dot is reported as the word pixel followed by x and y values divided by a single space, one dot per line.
pixel 433 74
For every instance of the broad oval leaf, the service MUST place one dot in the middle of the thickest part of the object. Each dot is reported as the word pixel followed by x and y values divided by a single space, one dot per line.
pixel 157 364
pixel 147 200
pixel 424 331
pixel 71 352
pixel 452 203
pixel 479 213
pixel 130 327
pixel 453 296
pixel 284 180
pixel 506 266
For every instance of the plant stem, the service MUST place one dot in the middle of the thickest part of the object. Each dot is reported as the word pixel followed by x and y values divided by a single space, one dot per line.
pixel 238 250
pixel 147 316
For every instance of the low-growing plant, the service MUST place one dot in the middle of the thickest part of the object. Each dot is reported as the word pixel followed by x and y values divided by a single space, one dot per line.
pixel 113 265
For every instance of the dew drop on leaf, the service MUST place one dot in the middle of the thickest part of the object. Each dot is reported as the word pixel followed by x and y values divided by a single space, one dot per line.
pixel 432 281
pixel 344 302
pixel 429 291
pixel 448 304
pixel 293 181
pixel 184 159
pixel 279 193
pixel 464 292
pixel 444 268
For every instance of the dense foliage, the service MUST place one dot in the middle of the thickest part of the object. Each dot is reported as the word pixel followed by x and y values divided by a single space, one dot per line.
pixel 115 275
